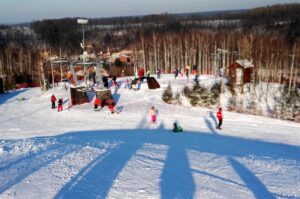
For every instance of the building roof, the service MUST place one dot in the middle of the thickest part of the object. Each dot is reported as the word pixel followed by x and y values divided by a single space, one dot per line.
pixel 245 63
pixel 127 52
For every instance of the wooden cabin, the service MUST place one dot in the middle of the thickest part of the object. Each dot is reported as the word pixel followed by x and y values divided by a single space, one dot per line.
pixel 241 72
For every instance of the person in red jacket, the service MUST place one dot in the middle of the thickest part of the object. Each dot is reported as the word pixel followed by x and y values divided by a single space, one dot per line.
pixel 220 118
pixel 53 100
pixel 97 102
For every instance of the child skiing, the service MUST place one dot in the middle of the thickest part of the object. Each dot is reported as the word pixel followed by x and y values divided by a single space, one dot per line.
pixel 97 102
pixel 220 118
pixel 111 106
pixel 60 105
pixel 153 114
pixel 53 100
pixel 177 128
pixel 187 71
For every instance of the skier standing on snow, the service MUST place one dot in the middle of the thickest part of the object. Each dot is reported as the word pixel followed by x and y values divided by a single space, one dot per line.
pixel 153 113
pixel 105 82
pixel 196 79
pixel 176 72
pixel 60 105
pixel 53 100
pixel 187 73
pixel 158 73
pixel 114 82
pixel 97 102
pixel 126 84
pixel 220 118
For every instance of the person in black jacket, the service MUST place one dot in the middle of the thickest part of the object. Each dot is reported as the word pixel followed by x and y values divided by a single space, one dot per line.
pixel 60 105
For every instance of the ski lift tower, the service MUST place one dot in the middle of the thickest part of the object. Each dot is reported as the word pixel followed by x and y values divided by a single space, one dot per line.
pixel 83 22
pixel 81 90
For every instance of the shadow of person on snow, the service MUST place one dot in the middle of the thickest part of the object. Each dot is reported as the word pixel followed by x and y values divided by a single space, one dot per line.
pixel 212 116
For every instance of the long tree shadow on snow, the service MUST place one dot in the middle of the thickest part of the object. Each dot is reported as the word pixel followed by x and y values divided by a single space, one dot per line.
pixel 97 178
pixel 251 181
pixel 30 164
pixel 9 95
pixel 176 179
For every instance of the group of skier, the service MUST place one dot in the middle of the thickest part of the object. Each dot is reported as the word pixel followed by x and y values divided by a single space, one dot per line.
pixel 111 105
pixel 176 128
pixel 112 108
pixel 180 71
pixel 59 103
pixel 153 112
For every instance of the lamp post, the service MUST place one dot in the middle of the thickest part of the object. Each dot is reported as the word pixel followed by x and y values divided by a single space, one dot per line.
pixel 82 21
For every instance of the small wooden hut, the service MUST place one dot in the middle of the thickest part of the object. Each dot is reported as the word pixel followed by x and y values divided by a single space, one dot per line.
pixel 241 72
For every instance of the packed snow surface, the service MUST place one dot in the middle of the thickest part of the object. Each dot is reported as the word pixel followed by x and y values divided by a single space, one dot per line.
pixel 80 153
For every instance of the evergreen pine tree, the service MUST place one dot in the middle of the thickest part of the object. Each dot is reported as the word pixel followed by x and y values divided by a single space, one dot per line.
pixel 231 103
pixel 215 93
pixel 167 95
pixel 290 103
pixel 252 104
pixel 186 91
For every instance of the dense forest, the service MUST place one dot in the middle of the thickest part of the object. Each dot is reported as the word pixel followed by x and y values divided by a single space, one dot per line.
pixel 268 36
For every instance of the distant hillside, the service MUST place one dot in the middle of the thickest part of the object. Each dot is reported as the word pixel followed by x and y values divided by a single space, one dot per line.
pixel 212 14
pixel 251 17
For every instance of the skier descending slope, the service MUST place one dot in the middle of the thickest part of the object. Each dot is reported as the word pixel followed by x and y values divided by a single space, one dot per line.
pixel 153 114
pixel 220 118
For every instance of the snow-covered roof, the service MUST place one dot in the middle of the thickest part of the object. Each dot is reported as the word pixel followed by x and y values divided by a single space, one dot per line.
pixel 127 52
pixel 245 63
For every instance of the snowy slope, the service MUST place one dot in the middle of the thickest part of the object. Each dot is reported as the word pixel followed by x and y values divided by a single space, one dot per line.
pixel 79 153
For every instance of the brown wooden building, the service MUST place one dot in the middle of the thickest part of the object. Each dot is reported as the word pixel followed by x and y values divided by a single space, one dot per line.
pixel 241 72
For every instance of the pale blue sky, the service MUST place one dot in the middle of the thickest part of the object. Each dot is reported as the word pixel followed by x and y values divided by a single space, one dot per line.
pixel 12 11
